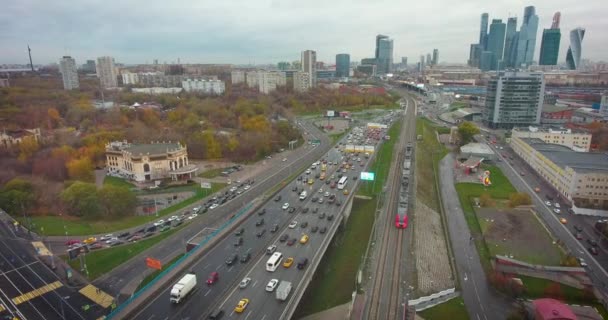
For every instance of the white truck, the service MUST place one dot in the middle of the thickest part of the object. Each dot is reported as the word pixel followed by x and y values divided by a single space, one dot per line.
pixel 183 287
pixel 283 290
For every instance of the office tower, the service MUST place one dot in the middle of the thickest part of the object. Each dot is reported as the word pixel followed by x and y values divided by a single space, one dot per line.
pixel 511 37
pixel 69 74
pixel 573 57
pixel 496 43
pixel 435 56
pixel 404 62
pixel 309 65
pixel 549 46
pixel 342 65
pixel 483 31
pixel 301 81
pixel 527 38
pixel 429 60
pixel 514 99
pixel 475 55
pixel 106 71
pixel 384 54
pixel 283 65
pixel 486 61
pixel 89 66
pixel 421 63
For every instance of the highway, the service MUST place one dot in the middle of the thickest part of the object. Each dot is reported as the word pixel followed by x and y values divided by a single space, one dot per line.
pixel 207 298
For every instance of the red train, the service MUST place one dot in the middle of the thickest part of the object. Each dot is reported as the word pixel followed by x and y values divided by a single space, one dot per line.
pixel 401 219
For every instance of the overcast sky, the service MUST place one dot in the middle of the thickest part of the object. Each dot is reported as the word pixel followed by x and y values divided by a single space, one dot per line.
pixel 268 31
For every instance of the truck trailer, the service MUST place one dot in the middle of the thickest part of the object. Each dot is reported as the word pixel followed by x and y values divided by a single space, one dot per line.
pixel 283 290
pixel 183 287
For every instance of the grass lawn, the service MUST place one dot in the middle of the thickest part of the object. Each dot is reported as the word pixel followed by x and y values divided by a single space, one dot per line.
pixel 334 280
pixel 54 225
pixel 102 261
pixel 453 310
pixel 153 275
pixel 381 164
pixel 425 170
pixel 336 136
pixel 212 173
pixel 119 182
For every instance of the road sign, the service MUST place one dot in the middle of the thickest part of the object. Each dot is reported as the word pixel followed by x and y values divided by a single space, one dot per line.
pixel 206 185
pixel 368 176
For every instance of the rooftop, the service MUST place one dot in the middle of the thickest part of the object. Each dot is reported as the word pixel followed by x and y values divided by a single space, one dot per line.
pixel 145 148
pixel 553 108
pixel 563 156
pixel 477 148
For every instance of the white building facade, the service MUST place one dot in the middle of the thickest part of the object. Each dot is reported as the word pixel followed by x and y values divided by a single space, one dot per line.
pixel 107 73
pixel 577 141
pixel 69 73
pixel 301 81
pixel 237 77
pixel 204 86
pixel 269 81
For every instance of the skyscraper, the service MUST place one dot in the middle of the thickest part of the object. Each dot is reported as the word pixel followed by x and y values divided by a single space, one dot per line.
pixel 549 46
pixel 514 99
pixel 69 74
pixel 106 71
pixel 404 62
pixel 309 65
pixel 527 38
pixel 483 31
pixel 510 42
pixel 384 54
pixel 573 57
pixel 429 60
pixel 496 42
pixel 435 56
pixel 342 65
pixel 421 68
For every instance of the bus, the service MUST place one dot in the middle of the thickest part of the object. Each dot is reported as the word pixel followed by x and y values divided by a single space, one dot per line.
pixel 274 261
pixel 342 182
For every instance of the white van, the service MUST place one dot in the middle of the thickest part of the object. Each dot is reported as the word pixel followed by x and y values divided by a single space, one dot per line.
pixel 303 195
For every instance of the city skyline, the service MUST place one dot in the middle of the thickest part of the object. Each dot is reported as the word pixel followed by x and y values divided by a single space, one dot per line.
pixel 84 32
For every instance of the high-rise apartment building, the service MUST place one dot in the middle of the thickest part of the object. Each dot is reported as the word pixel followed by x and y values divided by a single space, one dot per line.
pixel 573 57
pixel 301 81
pixel 511 37
pixel 342 65
pixel 252 79
pixel 435 57
pixel 527 38
pixel 384 54
pixel 309 65
pixel 514 99
pixel 269 81
pixel 106 71
pixel 496 43
pixel 69 74
pixel 237 77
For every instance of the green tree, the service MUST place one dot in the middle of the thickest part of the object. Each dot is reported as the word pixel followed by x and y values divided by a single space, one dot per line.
pixel 117 201
pixel 467 130
pixel 17 195
pixel 27 147
pixel 81 199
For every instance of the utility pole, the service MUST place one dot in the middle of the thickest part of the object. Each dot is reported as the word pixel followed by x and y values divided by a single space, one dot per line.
pixel 29 51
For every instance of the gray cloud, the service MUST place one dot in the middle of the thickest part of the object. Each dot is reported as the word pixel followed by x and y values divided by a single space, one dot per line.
pixel 240 31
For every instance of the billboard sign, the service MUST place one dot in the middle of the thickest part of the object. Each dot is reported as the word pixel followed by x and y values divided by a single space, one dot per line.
pixel 206 185
pixel 330 113
pixel 153 263
pixel 367 176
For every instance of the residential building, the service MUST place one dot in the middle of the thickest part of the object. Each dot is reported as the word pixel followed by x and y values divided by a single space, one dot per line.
pixel 511 38
pixel 549 46
pixel 384 54
pixel 237 77
pixel 69 73
pixel 147 162
pixel 129 78
pixel 342 65
pixel 496 43
pixel 368 69
pixel 578 141
pixel 325 74
pixel 309 65
pixel 89 67
pixel 106 71
pixel 269 81
pixel 301 81
pixel 435 57
pixel 514 99
pixel 157 90
pixel 12 138
pixel 253 79
pixel 527 38
pixel 573 56
pixel 204 86
pixel 579 177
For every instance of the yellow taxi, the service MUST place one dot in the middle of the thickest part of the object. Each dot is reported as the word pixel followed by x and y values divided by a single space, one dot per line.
pixel 288 262
pixel 311 181
pixel 345 191
pixel 563 220
pixel 304 239
pixel 242 305
pixel 89 240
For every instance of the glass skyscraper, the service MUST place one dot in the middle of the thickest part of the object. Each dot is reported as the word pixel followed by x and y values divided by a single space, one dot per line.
pixel 527 38
pixel 483 31
pixel 511 42
pixel 384 54
pixel 573 57
pixel 496 42
pixel 342 65
pixel 549 47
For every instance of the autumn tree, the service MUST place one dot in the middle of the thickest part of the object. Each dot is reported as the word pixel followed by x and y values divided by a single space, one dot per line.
pixel 117 201
pixel 81 199
pixel 51 165
pixel 53 118
pixel 80 169
pixel 519 199
pixel 554 290
pixel 27 147
pixel 467 130
pixel 485 200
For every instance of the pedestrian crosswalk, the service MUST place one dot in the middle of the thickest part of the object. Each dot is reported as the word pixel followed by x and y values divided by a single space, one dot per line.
pixel 97 295
pixel 2 308
pixel 36 293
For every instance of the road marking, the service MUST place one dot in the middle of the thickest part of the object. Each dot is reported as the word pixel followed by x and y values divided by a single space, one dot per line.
pixel 253 285
pixel 465 277
pixel 218 267
pixel 229 269
pixel 207 292
pixel 207 266
pixel 36 292
pixel 2 307
pixel 97 295
pixel 231 313
pixel 264 317
pixel 248 314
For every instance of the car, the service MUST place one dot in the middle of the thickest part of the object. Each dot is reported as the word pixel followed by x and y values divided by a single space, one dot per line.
pixel 291 210
pixel 272 284
pixel 245 257
pixel 314 199
pixel 308 171
pixel 338 203
pixel 581 262
pixel 238 242
pixel 261 233
pixel 243 284
pixel 522 173
pixel 213 277
pixel 284 159
pixel 72 242
pixel 291 241
pixel 556 205
pixel 106 237
pixel 288 262
pixel 293 224
pixel 321 190
pixel 197 208
pixel 556 210
pixel 173 218
pixel 239 232
pixel 285 206
pixel 320 200
pixel 327 182
pixel 213 206
pixel 578 236
pixel 284 237
pixel 326 194
pixel 322 215
pixel 593 251
pixel 89 240
pixel 98 245
pixel 304 239
pixel 332 185
pixel 262 212
pixel 355 178
pixel 548 203
pixel 315 210
pixel 277 198
pixel 231 259
pixel 345 192
pixel 135 238
pixel 242 305
pixel 159 223
pixel 592 242
pixel 259 222
pixel 314 229
pixel 247 187
pixel 164 228
pixel 302 263
pixel 330 217
pixel 270 250
pixel 563 220
pixel 124 234
pixel 304 225
pixel 323 230
pixel 305 210
pixel 274 228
